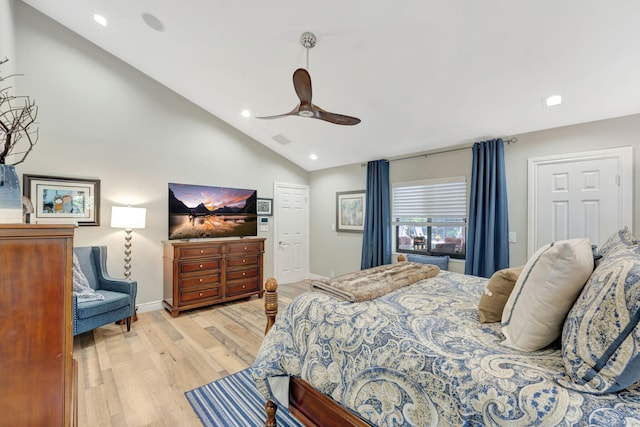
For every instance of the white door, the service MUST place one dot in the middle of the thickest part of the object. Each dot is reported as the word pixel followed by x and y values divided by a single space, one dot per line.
pixel 579 195
pixel 291 232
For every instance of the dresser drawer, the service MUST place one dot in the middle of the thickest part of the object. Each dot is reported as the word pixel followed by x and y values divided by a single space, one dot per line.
pixel 243 287
pixel 207 280
pixel 203 265
pixel 242 261
pixel 242 274
pixel 247 248
pixel 203 294
pixel 200 251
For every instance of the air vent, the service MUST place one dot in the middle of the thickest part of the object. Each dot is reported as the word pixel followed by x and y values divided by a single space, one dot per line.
pixel 153 22
pixel 281 139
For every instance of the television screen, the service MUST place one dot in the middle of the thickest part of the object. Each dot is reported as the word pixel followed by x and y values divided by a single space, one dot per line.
pixel 199 211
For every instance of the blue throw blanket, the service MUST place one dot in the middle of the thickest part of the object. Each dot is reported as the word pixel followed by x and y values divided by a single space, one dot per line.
pixel 81 288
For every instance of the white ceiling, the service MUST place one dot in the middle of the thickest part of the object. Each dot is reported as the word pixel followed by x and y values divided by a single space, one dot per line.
pixel 421 74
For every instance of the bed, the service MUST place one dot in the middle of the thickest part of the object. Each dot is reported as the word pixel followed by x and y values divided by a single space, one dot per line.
pixel 419 356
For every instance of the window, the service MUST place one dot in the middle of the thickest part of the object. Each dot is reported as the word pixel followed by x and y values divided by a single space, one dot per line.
pixel 430 217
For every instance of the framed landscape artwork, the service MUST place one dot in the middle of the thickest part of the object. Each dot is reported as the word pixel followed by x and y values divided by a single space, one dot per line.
pixel 350 208
pixel 58 200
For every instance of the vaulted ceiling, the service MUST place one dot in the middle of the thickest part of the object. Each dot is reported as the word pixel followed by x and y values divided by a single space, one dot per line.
pixel 420 74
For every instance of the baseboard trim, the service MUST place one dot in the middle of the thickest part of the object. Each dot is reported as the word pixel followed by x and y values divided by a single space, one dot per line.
pixel 149 306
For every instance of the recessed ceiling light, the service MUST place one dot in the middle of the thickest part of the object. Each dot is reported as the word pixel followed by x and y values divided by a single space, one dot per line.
pixel 313 157
pixel 553 100
pixel 100 19
pixel 246 114
pixel 152 21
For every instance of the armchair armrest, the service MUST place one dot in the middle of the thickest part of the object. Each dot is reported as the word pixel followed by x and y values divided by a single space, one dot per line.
pixel 109 283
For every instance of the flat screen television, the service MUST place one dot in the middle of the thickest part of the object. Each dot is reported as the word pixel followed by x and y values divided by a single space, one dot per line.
pixel 199 211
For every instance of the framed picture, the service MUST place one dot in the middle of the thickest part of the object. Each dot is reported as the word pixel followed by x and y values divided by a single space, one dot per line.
pixel 58 200
pixel 265 207
pixel 350 206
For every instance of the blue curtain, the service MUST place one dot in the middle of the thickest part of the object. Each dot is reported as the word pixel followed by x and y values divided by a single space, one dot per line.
pixel 488 230
pixel 376 241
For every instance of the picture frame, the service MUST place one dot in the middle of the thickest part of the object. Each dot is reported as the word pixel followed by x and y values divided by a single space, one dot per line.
pixel 60 200
pixel 350 211
pixel 264 207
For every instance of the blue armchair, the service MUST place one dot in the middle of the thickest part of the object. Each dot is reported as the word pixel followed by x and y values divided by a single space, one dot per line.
pixel 119 294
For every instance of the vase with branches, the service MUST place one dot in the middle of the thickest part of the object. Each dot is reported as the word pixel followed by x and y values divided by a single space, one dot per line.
pixel 18 136
pixel 18 133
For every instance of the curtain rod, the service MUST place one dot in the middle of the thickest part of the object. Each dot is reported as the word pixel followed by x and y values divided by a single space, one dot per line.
pixel 509 141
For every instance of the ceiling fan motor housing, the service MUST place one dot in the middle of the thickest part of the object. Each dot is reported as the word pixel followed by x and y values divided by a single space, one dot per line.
pixel 308 40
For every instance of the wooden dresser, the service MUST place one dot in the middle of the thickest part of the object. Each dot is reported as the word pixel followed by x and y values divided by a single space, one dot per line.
pixel 37 372
pixel 201 273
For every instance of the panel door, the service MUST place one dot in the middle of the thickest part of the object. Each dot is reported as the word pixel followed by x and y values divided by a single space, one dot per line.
pixel 292 246
pixel 578 196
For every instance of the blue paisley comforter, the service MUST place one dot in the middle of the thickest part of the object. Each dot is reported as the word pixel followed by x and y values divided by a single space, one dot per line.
pixel 420 357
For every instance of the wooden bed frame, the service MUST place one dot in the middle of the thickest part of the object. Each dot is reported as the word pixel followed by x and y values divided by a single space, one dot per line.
pixel 308 405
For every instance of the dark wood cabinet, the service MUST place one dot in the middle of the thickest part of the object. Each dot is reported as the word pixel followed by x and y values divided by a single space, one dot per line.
pixel 197 274
pixel 36 366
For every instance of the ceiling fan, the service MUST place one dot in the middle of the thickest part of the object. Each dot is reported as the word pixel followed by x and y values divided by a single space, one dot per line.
pixel 302 86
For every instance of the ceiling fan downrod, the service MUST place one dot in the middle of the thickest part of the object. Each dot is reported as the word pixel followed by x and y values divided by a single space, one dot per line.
pixel 308 40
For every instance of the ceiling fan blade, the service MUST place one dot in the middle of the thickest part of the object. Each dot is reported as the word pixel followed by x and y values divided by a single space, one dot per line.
pixel 338 119
pixel 302 85
pixel 293 113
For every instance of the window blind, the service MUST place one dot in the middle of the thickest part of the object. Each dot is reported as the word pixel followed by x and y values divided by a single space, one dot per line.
pixel 437 199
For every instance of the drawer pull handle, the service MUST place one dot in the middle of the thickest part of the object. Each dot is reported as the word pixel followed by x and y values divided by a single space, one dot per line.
pixel 245 248
pixel 244 260
pixel 244 274
pixel 200 293
pixel 201 280
pixel 243 286
pixel 200 265
pixel 201 251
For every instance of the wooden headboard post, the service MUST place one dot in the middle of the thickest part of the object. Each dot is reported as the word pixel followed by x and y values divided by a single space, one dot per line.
pixel 271 310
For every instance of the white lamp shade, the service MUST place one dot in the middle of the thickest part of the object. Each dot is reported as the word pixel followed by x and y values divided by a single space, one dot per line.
pixel 128 217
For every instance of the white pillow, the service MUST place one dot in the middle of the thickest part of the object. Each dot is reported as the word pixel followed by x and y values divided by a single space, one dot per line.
pixel 545 292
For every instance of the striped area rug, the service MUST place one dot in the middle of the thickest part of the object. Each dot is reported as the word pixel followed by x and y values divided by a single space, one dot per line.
pixel 234 401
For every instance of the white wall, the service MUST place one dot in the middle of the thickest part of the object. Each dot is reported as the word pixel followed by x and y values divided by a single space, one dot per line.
pixel 7 39
pixel 340 253
pixel 335 251
pixel 101 119
pixel 618 132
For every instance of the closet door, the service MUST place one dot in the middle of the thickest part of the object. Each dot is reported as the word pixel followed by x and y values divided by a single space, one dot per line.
pixel 579 195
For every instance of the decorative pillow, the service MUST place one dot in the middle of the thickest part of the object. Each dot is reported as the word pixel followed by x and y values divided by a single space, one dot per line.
pixel 622 239
pixel 549 284
pixel 601 337
pixel 441 261
pixel 496 293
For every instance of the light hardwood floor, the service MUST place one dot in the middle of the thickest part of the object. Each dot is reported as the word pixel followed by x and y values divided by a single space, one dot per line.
pixel 139 378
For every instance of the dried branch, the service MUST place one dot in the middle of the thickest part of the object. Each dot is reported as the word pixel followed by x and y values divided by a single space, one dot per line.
pixel 17 119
